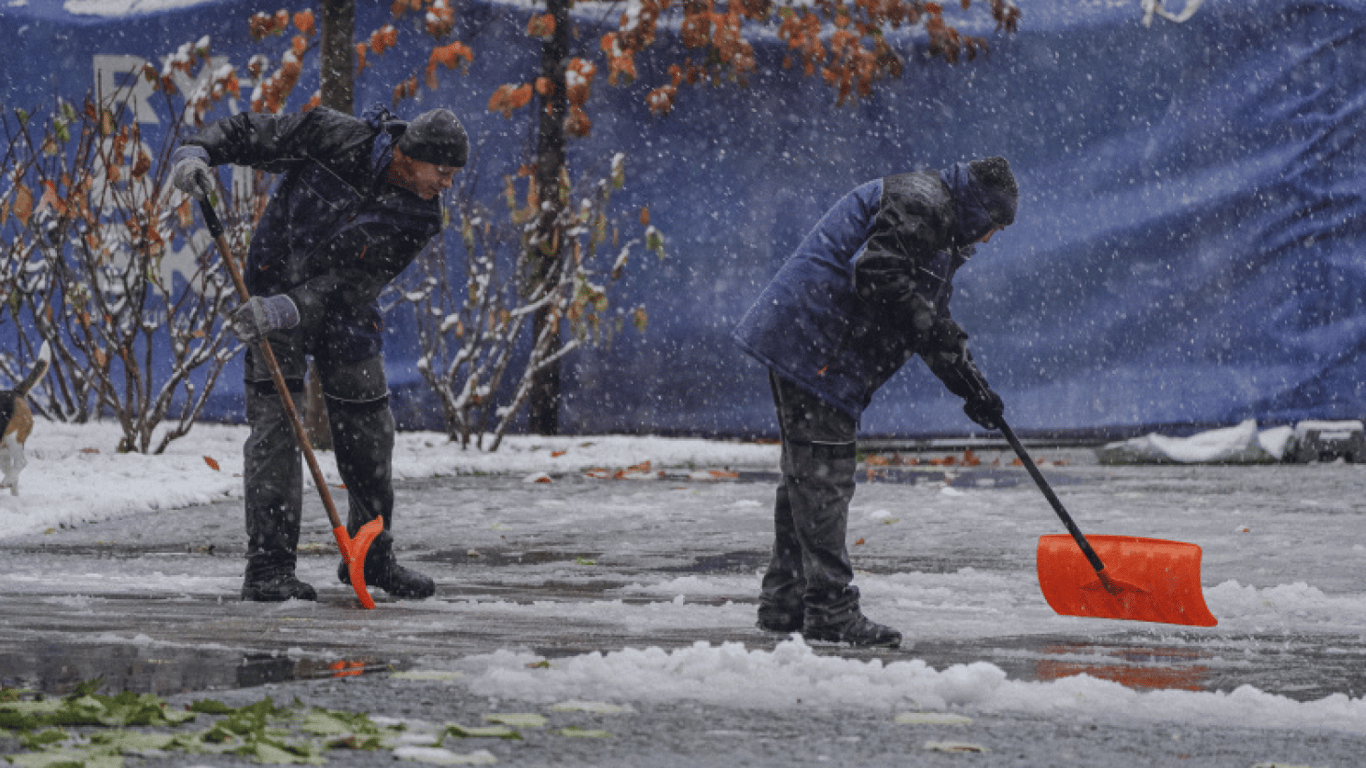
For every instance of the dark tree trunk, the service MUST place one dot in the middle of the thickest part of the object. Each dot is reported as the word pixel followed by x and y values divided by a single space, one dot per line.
pixel 337 58
pixel 544 403
pixel 338 92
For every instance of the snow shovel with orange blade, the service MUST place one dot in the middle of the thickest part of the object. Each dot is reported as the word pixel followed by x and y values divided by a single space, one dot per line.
pixel 1120 577
pixel 353 551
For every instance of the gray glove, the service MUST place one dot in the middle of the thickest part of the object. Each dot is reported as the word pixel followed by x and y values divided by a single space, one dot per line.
pixel 191 173
pixel 261 315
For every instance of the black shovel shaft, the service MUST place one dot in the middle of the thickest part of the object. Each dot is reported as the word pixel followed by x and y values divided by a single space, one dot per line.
pixel 1052 498
pixel 268 354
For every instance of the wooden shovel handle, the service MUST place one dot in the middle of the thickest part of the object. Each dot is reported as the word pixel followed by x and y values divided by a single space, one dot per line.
pixel 1053 499
pixel 216 229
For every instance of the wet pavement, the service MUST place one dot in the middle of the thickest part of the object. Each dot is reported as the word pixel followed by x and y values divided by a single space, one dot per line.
pixel 150 603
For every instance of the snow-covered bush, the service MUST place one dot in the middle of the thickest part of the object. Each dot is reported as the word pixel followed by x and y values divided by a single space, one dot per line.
pixel 98 260
pixel 473 314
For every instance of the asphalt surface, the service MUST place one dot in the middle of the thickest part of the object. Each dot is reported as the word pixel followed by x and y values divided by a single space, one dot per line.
pixel 197 640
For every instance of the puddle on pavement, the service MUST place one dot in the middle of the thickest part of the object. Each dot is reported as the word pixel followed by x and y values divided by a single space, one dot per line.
pixel 497 558
pixel 958 476
pixel 1302 671
pixel 743 561
pixel 57 668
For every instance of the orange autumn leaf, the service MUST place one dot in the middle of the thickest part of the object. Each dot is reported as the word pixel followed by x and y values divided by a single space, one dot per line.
pixel 577 123
pixel 858 543
pixel 142 165
pixel 361 48
pixel 439 20
pixel 52 200
pixel 383 39
pixel 450 55
pixel 661 100
pixel 303 21
pixel 212 464
pixel 542 26
pixel 507 98
pixel 23 203
pixel 557 454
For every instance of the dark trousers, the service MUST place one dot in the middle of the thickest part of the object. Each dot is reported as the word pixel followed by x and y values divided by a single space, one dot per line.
pixel 362 429
pixel 809 573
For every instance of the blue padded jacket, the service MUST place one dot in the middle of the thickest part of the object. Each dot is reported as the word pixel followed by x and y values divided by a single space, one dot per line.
pixel 840 316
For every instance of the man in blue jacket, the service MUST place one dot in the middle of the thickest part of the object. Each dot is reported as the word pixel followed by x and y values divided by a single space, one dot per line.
pixel 866 290
pixel 357 200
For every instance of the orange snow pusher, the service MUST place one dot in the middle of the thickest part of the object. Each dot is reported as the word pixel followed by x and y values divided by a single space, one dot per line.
pixel 1116 577
pixel 353 551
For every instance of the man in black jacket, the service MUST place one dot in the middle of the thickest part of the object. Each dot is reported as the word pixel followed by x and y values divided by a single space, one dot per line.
pixel 357 201
pixel 867 289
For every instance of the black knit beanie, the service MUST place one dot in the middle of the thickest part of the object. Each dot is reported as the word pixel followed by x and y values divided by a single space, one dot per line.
pixel 999 193
pixel 436 137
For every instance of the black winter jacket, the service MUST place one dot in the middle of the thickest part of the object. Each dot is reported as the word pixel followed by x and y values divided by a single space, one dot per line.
pixel 334 233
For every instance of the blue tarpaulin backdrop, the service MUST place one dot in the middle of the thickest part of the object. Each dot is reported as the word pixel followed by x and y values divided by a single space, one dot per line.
pixel 1186 252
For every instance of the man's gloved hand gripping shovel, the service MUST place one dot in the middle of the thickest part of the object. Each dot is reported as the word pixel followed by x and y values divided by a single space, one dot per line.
pixel 353 551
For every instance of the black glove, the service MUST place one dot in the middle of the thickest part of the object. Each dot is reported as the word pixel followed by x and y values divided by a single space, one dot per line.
pixel 961 377
pixel 985 408
pixel 260 315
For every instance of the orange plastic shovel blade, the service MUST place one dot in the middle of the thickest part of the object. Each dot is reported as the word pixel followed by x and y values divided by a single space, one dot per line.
pixel 1150 580
pixel 354 552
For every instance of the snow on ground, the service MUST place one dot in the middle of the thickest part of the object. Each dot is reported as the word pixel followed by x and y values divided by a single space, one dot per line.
pixel 793 675
pixel 74 475
pixel 124 8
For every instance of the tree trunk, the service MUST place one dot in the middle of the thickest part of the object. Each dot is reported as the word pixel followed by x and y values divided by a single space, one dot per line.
pixel 338 92
pixel 544 402
pixel 337 60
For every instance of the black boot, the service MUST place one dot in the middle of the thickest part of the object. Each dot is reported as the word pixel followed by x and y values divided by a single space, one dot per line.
pixel 275 584
pixel 857 630
pixel 773 618
pixel 382 570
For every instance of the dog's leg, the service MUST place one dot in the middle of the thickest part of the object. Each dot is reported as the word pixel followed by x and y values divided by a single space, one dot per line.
pixel 12 446
pixel 12 461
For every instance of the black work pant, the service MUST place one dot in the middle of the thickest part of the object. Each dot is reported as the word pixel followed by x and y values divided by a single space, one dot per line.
pixel 809 573
pixel 362 427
